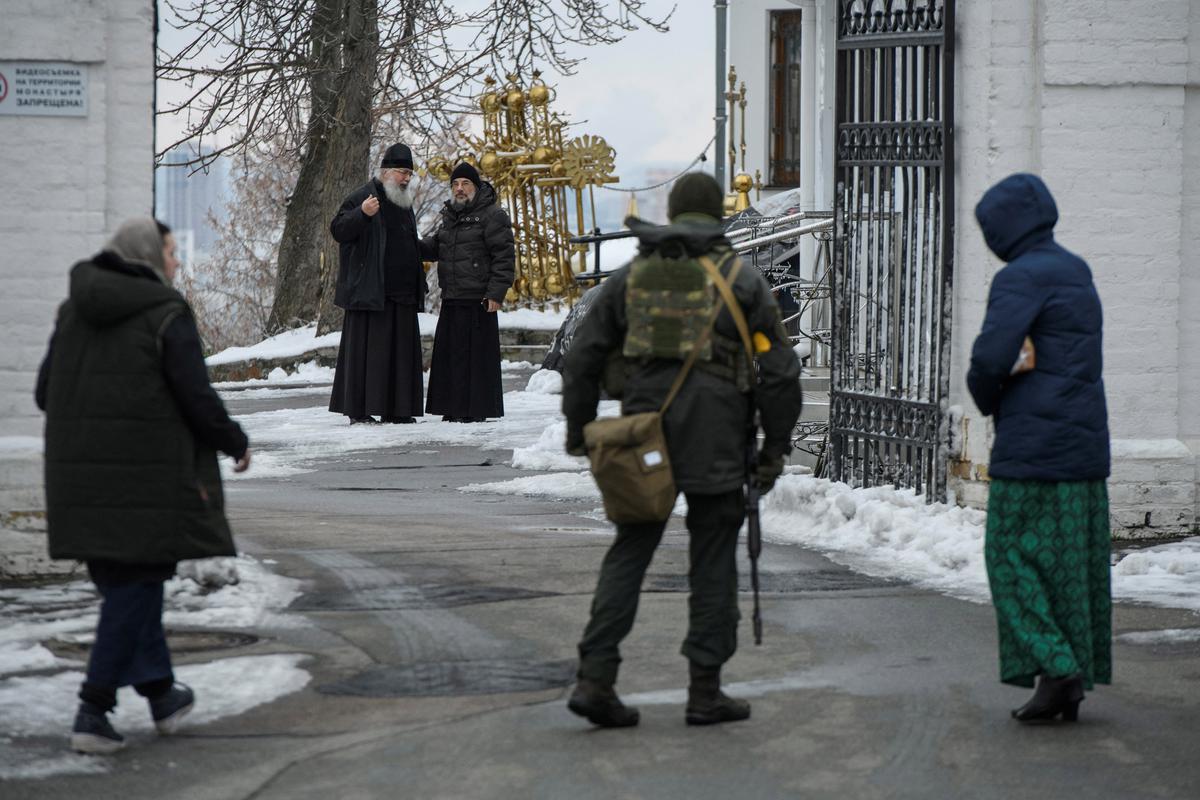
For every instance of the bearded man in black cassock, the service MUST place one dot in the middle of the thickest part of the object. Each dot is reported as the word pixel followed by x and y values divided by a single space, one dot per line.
pixel 381 286
pixel 476 260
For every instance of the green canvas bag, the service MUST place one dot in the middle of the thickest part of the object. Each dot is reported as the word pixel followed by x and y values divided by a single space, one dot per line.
pixel 628 454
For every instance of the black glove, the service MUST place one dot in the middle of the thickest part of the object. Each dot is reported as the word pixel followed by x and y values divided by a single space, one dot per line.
pixel 575 443
pixel 769 469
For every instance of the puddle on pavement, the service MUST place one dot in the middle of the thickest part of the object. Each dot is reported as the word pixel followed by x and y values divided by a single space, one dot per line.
pixel 783 582
pixel 398 598
pixel 449 678
pixel 177 641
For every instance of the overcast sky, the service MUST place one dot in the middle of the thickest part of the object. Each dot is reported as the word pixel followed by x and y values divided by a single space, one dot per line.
pixel 650 96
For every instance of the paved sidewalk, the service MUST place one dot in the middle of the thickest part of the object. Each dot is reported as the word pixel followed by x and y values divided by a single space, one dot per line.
pixel 441 641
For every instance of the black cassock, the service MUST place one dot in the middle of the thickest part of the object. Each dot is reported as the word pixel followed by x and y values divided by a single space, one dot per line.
pixel 379 365
pixel 464 378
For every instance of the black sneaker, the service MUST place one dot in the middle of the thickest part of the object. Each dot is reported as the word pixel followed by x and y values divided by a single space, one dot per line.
pixel 93 733
pixel 170 707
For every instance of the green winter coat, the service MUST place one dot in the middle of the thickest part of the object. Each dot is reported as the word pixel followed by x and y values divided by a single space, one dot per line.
pixel 126 480
pixel 706 425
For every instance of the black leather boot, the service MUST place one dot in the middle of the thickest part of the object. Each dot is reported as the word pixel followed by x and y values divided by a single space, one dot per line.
pixel 1052 697
pixel 707 704
pixel 598 703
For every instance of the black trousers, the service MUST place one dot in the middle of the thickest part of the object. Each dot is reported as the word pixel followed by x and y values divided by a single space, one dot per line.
pixel 713 521
pixel 379 369
pixel 131 646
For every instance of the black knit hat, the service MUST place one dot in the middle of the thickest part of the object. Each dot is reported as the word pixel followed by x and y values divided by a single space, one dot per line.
pixel 398 156
pixel 696 192
pixel 465 170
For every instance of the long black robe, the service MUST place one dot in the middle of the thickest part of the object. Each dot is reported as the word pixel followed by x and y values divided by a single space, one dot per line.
pixel 379 366
pixel 464 378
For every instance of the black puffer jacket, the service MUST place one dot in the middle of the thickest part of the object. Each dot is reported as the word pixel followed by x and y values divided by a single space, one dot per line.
pixel 363 240
pixel 473 249
pixel 706 424
pixel 131 467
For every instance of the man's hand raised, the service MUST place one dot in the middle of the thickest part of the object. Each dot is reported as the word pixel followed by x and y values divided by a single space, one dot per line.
pixel 370 206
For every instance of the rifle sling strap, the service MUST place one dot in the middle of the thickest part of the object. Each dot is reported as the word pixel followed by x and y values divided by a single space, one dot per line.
pixel 735 310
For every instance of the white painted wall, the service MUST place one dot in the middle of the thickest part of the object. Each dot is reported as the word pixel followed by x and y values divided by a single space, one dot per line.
pixel 1102 98
pixel 1098 109
pixel 1189 289
pixel 67 181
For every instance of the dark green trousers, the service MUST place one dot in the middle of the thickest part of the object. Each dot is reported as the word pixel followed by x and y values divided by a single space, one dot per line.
pixel 713 521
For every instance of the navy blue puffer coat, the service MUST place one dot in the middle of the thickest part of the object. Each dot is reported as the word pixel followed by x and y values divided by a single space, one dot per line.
pixel 1052 422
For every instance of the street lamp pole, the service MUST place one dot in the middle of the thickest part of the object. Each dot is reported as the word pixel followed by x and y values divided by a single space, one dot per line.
pixel 719 118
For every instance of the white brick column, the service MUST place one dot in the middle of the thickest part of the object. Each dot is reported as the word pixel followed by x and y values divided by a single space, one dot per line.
pixel 68 181
pixel 1092 94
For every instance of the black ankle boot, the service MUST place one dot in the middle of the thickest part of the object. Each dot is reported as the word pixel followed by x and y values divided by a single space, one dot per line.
pixel 707 704
pixel 598 703
pixel 1052 697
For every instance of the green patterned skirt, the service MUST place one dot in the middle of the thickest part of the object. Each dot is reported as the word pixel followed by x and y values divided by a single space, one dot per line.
pixel 1047 554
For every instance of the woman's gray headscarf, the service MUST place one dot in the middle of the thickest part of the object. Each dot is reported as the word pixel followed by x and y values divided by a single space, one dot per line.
pixel 138 241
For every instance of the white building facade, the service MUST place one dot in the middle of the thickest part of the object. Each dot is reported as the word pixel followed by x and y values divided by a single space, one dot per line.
pixel 69 178
pixel 76 158
pixel 1100 98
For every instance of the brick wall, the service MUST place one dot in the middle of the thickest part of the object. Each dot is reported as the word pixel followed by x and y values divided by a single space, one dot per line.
pixel 68 181
pixel 1095 97
pixel 1189 285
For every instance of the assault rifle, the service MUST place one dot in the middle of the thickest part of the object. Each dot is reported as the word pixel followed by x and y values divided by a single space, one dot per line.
pixel 753 531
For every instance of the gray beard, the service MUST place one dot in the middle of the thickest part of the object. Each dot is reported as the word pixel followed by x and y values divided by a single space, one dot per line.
pixel 459 205
pixel 398 195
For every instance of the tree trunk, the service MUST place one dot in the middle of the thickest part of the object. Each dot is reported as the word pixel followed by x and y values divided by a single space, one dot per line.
pixel 337 146
pixel 349 144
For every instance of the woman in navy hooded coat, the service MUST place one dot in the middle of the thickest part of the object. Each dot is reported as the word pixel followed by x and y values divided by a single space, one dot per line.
pixel 1048 536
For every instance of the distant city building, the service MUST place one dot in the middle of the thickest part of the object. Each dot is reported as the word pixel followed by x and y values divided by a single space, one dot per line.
pixel 183 199
pixel 652 204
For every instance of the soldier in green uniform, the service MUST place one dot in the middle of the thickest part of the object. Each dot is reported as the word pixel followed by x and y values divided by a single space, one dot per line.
pixel 707 431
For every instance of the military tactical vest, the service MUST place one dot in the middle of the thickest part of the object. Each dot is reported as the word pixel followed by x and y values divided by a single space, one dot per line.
pixel 667 304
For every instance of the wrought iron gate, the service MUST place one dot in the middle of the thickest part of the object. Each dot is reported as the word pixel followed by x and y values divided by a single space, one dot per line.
pixel 893 243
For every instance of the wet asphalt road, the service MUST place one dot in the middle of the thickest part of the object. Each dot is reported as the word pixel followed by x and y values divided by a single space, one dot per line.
pixel 441 643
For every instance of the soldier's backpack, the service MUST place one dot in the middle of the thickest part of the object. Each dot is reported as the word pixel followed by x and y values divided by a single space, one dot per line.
pixel 628 454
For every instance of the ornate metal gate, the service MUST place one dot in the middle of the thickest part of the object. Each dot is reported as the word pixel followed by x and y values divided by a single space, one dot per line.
pixel 893 243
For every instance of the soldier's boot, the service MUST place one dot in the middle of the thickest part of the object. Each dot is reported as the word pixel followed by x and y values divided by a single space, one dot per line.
pixel 707 704
pixel 598 703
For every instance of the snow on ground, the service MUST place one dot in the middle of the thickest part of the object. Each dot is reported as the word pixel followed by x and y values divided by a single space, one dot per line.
pixel 881 532
pixel 299 341
pixel 547 452
pixel 213 593
pixel 1166 636
pixel 555 485
pixel 1166 575
pixel 31 616
pixel 533 320
pixel 253 598
pixel 295 342
pixel 308 372
pixel 286 441
pixel 45 705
